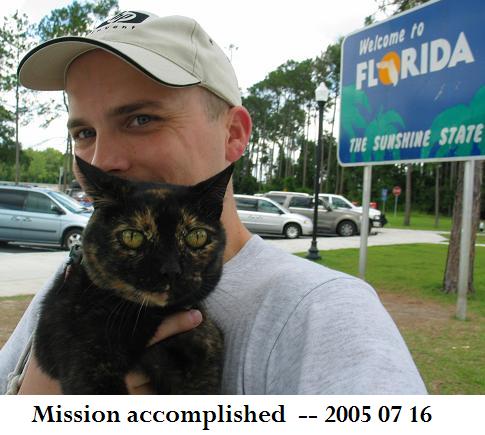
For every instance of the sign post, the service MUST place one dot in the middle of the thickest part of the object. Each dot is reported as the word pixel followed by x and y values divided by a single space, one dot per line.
pixel 413 90
pixel 364 225
pixel 396 191
pixel 383 199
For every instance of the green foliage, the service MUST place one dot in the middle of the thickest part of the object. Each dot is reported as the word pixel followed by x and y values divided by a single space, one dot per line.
pixel 15 39
pixel 247 185
pixel 36 166
pixel 75 19
pixel 398 6
pixel 7 143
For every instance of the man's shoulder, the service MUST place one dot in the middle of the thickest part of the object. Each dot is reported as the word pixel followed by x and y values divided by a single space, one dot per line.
pixel 262 267
pixel 274 261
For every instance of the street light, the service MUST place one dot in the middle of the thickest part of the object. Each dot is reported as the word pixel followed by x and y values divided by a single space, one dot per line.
pixel 321 96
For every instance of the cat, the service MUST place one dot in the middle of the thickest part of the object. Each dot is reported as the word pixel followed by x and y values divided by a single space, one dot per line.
pixel 149 250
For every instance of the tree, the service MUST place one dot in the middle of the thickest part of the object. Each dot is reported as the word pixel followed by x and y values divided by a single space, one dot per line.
pixel 450 280
pixel 42 166
pixel 15 39
pixel 73 19
pixel 327 69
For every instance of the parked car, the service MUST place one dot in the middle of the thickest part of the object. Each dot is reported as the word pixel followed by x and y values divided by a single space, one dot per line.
pixel 339 201
pixel 330 220
pixel 41 216
pixel 263 216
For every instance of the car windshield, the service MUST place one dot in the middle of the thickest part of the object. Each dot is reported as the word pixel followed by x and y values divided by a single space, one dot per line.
pixel 68 202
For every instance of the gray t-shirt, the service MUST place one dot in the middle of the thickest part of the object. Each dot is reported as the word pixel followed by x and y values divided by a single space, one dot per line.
pixel 290 327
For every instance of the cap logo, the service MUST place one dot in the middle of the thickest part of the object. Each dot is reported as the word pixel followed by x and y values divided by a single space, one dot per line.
pixel 125 17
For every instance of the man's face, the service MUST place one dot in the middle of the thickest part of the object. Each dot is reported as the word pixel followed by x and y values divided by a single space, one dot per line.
pixel 125 123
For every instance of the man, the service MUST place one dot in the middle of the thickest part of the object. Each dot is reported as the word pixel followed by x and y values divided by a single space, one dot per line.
pixel 155 99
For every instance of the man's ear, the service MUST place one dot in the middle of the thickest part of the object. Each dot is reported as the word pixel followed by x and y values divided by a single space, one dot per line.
pixel 239 127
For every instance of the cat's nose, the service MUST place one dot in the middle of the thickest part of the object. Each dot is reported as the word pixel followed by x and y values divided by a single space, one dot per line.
pixel 171 268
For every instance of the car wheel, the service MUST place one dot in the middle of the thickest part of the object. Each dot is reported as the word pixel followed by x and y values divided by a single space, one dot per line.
pixel 292 231
pixel 346 229
pixel 71 238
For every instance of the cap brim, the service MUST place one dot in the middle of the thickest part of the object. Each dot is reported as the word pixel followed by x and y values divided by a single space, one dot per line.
pixel 44 68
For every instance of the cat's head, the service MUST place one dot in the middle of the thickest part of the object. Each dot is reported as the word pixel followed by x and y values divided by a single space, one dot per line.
pixel 155 244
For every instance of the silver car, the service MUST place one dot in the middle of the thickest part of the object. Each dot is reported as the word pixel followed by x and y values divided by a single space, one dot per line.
pixel 330 221
pixel 339 201
pixel 35 215
pixel 264 216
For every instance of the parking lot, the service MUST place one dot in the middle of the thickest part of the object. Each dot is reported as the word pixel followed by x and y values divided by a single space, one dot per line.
pixel 23 270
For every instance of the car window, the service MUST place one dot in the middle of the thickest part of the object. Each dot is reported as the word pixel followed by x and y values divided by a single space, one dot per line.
pixel 68 202
pixel 267 207
pixel 300 201
pixel 248 204
pixel 338 202
pixel 12 199
pixel 280 199
pixel 38 203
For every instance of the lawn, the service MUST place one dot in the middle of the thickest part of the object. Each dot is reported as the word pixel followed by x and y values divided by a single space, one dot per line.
pixel 418 221
pixel 449 353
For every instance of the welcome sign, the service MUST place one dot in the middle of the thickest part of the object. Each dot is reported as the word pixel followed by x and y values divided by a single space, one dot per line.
pixel 413 87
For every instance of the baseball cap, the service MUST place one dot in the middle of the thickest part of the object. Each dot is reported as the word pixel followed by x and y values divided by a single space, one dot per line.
pixel 174 51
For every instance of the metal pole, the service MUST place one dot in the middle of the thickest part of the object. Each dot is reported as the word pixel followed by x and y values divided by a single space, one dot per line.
pixel 313 253
pixel 465 240
pixel 364 225
pixel 17 144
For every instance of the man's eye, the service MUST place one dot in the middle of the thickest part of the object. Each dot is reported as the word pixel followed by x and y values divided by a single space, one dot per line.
pixel 140 120
pixel 84 134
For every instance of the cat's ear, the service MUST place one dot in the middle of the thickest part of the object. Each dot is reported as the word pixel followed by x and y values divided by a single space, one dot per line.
pixel 210 193
pixel 103 188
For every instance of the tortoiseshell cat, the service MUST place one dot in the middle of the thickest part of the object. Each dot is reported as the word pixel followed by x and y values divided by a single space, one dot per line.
pixel 148 250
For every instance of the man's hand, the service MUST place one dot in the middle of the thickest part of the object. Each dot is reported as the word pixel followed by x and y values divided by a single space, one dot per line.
pixel 137 383
pixel 37 382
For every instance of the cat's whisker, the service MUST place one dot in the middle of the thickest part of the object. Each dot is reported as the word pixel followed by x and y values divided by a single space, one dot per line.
pixel 138 316
pixel 113 316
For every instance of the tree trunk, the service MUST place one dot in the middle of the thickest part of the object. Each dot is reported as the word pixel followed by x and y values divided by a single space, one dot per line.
pixel 450 280
pixel 337 178
pixel 257 162
pixel 341 185
pixel 437 197
pixel 407 206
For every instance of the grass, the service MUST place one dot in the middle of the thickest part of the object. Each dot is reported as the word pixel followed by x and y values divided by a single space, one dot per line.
pixel 449 353
pixel 16 298
pixel 418 221
pixel 480 238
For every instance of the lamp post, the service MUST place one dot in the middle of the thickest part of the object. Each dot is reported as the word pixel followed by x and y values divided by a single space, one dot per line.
pixel 321 96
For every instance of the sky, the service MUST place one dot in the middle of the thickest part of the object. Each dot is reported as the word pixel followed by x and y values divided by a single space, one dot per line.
pixel 263 33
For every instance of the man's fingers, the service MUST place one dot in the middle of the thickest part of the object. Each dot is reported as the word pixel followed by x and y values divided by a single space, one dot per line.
pixel 177 323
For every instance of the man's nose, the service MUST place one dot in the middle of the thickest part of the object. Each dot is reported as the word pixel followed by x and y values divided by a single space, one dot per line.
pixel 110 154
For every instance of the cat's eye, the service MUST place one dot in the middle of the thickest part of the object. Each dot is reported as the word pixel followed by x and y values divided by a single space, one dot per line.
pixel 132 239
pixel 197 238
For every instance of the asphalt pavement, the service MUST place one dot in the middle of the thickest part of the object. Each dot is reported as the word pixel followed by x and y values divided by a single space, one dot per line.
pixel 23 270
